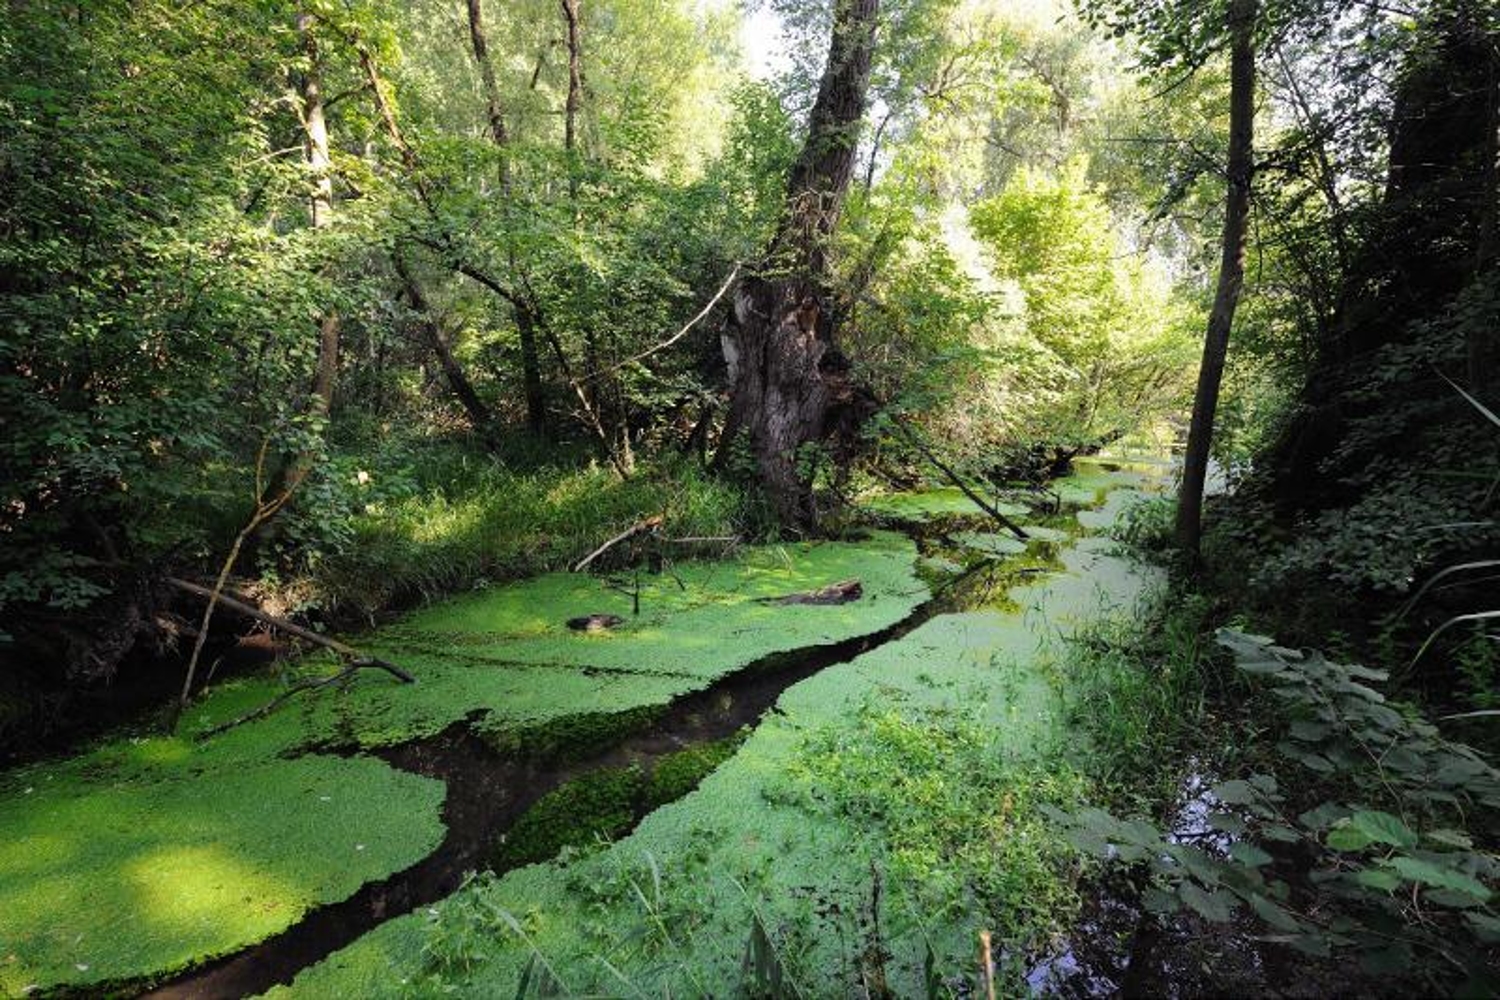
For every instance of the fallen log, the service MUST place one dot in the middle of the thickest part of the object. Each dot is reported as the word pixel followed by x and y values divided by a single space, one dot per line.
pixel 957 480
pixel 835 593
pixel 594 623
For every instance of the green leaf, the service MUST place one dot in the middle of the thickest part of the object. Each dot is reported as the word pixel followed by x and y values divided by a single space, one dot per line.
pixel 1310 732
pixel 1226 823
pixel 1273 914
pixel 1159 902
pixel 1427 873
pixel 1249 855
pixel 1485 926
pixel 1346 837
pixel 1212 906
pixel 1235 793
pixel 1315 945
pixel 1451 838
pixel 1323 816
pixel 1280 834
pixel 1378 879
pixel 1383 828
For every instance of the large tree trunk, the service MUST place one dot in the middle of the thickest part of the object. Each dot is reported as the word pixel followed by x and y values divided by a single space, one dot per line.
pixel 1231 272
pixel 531 369
pixel 783 364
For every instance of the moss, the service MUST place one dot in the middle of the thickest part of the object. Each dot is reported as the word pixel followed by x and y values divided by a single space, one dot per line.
pixel 937 502
pixel 116 869
pixel 677 774
pixel 604 804
pixel 573 737
pixel 582 813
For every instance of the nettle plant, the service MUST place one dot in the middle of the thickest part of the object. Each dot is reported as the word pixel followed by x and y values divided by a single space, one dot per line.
pixel 1373 856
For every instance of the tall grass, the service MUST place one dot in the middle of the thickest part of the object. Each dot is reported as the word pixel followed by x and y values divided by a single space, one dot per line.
pixel 477 522
pixel 1140 690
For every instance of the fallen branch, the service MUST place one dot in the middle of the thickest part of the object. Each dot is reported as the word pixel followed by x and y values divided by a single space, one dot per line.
pixel 346 651
pixel 647 526
pixel 264 511
pixel 734 273
pixel 957 480
pixel 353 666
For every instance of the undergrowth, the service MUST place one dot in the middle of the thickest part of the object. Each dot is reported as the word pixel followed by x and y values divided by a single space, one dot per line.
pixel 481 522
pixel 959 820
pixel 1139 691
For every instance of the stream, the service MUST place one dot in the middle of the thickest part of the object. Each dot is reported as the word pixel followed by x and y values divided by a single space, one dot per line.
pixel 492 787
pixel 489 791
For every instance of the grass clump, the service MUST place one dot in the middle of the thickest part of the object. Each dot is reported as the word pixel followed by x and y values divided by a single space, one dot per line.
pixel 1139 690
pixel 595 807
pixel 602 805
pixel 573 737
pixel 486 522
pixel 678 773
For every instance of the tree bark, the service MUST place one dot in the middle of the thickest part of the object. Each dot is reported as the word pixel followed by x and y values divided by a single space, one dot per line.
pixel 531 369
pixel 783 364
pixel 1240 168
pixel 479 414
pixel 495 109
pixel 1484 343
pixel 319 164
pixel 575 89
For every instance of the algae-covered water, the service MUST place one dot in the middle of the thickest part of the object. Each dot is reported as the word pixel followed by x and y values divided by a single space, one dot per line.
pixel 151 855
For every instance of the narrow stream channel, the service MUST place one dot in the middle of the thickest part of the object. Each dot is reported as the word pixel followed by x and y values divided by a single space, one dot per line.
pixel 489 792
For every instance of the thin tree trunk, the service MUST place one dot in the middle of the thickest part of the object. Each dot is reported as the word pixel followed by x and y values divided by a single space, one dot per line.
pixel 531 369
pixel 784 367
pixel 575 91
pixel 1242 15
pixel 495 109
pixel 319 164
pixel 479 414
pixel 1484 342
pixel 605 397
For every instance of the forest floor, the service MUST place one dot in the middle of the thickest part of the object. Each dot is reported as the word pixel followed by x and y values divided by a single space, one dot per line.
pixel 723 789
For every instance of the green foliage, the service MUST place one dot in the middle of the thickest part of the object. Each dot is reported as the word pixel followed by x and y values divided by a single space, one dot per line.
pixel 596 807
pixel 602 805
pixel 1108 344
pixel 486 522
pixel 1386 818
pixel 958 816
pixel 1147 526
pixel 1138 690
